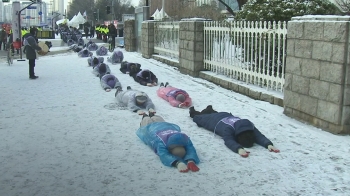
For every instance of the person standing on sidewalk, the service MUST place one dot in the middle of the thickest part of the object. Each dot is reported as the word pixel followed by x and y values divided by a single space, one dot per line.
pixel 3 39
pixel 30 48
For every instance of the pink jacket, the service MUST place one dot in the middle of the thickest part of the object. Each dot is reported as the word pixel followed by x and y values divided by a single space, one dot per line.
pixel 169 93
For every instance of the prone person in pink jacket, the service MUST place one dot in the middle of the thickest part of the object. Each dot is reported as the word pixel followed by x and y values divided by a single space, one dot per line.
pixel 176 97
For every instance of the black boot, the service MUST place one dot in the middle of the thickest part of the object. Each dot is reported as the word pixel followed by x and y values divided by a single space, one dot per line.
pixel 208 110
pixel 150 114
pixel 193 112
pixel 119 89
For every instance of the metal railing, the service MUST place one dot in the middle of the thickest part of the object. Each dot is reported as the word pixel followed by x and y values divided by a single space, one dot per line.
pixel 253 52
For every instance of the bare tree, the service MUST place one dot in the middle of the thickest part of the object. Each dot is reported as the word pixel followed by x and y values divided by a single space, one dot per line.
pixel 229 9
pixel 344 5
pixel 141 3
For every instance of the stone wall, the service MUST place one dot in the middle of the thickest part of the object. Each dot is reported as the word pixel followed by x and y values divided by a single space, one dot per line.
pixel 317 86
pixel 147 39
pixel 191 46
pixel 129 36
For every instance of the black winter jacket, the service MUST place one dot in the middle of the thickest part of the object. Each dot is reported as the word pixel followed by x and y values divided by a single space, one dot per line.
pixel 228 127
pixel 30 45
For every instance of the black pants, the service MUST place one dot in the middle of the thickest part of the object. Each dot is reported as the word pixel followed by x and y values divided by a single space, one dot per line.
pixel 31 67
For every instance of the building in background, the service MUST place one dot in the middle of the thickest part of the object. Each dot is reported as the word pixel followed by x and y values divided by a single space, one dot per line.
pixel 2 12
pixel 34 15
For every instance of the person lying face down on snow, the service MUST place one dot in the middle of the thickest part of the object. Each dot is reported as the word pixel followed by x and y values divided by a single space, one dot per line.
pixel 116 57
pixel 174 148
pixel 102 51
pixel 146 78
pixel 109 82
pixel 136 101
pixel 236 132
pixel 91 46
pixel 94 61
pixel 130 68
pixel 176 97
pixel 101 69
pixel 84 53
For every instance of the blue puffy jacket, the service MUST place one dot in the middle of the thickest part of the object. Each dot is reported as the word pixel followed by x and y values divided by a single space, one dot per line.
pixel 155 136
pixel 228 127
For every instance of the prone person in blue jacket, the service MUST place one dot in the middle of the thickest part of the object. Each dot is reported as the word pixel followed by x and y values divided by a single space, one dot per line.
pixel 173 147
pixel 236 132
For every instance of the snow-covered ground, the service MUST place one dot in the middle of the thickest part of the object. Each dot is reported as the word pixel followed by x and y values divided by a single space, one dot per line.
pixel 63 135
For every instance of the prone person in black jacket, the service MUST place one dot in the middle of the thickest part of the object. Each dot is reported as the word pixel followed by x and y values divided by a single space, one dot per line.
pixel 145 77
pixel 236 132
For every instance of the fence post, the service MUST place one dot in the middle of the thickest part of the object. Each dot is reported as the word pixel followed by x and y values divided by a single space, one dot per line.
pixel 129 36
pixel 191 46
pixel 147 39
pixel 317 79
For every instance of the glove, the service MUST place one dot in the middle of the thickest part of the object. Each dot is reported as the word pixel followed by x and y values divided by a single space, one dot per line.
pixel 272 149
pixel 108 89
pixel 149 84
pixel 243 152
pixel 140 112
pixel 182 105
pixel 192 166
pixel 151 110
pixel 154 84
pixel 182 167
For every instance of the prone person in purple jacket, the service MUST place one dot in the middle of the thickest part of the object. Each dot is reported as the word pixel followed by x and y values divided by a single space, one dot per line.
pixel 146 78
pixel 101 69
pixel 116 57
pixel 94 61
pixel 236 132
pixel 109 82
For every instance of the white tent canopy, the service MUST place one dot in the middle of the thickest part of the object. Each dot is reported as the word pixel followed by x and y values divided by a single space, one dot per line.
pixel 76 20
pixel 60 21
pixel 159 15
pixel 155 15
pixel 80 18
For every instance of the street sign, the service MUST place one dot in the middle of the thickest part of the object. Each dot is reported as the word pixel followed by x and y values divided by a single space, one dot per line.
pixel 31 7
pixel 40 13
pixel 27 17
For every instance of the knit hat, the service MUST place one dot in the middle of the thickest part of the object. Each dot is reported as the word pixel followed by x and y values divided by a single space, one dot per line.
pixel 141 97
pixel 95 61
pixel 85 52
pixel 246 138
pixel 102 68
pixel 177 139
pixel 180 97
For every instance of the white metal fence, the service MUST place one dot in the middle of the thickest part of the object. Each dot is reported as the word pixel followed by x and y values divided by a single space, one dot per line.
pixel 166 39
pixel 253 52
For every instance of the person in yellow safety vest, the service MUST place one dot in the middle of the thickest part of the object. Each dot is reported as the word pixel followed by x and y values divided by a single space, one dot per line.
pixel 23 32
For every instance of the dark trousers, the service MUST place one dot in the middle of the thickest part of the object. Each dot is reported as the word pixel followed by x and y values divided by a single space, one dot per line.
pixel 31 67
pixel 1 45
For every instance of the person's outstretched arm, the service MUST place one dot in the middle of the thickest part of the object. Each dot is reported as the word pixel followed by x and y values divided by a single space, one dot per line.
pixel 170 160
pixel 231 143
pixel 191 157
pixel 262 140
